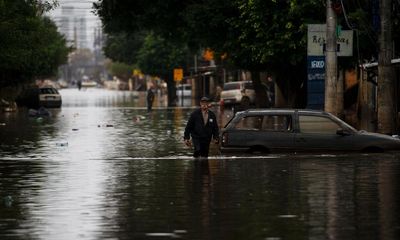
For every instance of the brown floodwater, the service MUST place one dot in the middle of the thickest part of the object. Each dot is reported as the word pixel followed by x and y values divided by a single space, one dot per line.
pixel 101 167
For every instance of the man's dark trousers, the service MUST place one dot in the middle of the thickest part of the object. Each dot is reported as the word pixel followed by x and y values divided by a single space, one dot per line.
pixel 201 147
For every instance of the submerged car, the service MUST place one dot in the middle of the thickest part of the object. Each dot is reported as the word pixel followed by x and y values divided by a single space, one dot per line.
pixel 297 130
pixel 36 97
pixel 49 97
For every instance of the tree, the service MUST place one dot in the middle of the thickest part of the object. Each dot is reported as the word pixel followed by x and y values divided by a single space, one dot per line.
pixel 126 16
pixel 147 34
pixel 30 46
pixel 151 53
pixel 256 35
pixel 124 47
pixel 159 57
pixel 374 22
pixel 271 36
pixel 121 70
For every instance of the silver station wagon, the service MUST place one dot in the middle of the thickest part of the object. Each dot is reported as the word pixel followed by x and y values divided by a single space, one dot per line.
pixel 295 130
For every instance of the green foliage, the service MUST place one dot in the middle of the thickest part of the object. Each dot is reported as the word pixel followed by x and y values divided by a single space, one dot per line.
pixel 30 46
pixel 256 35
pixel 272 33
pixel 137 15
pixel 124 47
pixel 207 24
pixel 159 57
pixel 363 17
pixel 146 33
pixel 121 70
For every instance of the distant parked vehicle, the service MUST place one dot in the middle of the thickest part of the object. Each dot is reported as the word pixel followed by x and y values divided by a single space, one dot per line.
pixel 35 97
pixel 89 84
pixel 278 130
pixel 183 89
pixel 241 92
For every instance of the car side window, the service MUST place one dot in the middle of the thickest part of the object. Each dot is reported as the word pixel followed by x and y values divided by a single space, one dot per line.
pixel 317 124
pixel 248 86
pixel 231 86
pixel 279 123
pixel 249 123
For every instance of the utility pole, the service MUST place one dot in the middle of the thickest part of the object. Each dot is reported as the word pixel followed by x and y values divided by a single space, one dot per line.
pixel 330 60
pixel 386 102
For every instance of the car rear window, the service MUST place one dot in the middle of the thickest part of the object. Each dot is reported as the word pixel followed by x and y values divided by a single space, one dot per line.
pixel 48 91
pixel 317 124
pixel 231 86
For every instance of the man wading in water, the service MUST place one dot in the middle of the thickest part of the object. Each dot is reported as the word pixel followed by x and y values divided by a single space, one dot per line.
pixel 202 126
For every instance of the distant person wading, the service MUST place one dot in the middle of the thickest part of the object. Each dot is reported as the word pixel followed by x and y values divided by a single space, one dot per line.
pixel 201 127
pixel 150 99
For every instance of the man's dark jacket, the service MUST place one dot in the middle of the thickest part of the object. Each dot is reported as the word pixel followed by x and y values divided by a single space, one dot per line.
pixel 196 128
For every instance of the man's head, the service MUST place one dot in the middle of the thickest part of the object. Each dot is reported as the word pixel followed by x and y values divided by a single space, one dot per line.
pixel 204 103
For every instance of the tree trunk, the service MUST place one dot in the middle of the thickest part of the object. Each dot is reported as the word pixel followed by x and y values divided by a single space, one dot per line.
pixel 171 90
pixel 366 108
pixel 386 101
pixel 261 93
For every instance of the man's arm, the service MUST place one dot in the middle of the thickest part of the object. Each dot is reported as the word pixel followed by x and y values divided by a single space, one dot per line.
pixel 189 127
pixel 215 130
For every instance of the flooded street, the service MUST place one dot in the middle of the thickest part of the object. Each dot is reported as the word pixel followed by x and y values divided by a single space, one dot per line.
pixel 101 167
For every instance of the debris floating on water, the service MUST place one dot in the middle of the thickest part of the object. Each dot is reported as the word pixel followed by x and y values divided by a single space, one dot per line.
pixel 62 144
pixel 8 201
pixel 105 125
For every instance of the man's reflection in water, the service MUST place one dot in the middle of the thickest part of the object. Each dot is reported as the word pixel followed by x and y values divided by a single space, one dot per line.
pixel 201 168
pixel 200 199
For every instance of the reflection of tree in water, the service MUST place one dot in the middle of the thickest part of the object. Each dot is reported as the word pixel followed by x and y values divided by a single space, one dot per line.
pixel 13 191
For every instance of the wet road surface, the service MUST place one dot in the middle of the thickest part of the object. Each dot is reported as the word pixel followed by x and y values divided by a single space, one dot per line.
pixel 101 167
